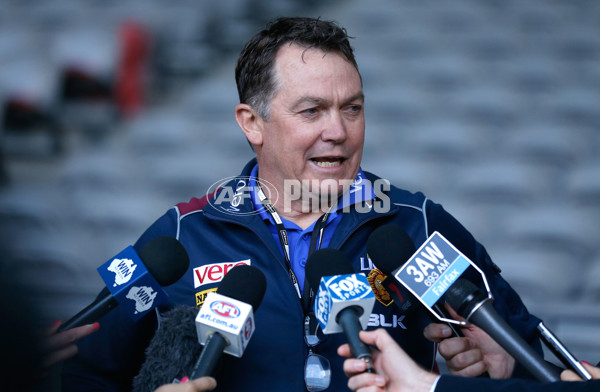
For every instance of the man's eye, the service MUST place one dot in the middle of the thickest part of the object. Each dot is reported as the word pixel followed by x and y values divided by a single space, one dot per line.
pixel 354 109
pixel 310 111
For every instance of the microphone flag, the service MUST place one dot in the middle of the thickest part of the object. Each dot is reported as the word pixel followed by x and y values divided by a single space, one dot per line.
pixel 336 293
pixel 432 269
pixel 233 319
pixel 131 284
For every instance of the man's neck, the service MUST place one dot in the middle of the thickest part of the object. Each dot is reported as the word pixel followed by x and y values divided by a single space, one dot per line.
pixel 298 215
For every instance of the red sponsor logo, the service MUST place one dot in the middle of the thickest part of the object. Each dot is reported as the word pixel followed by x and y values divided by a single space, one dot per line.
pixel 214 273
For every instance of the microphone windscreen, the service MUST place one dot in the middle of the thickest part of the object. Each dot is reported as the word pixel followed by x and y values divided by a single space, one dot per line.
pixel 166 259
pixel 463 296
pixel 326 262
pixel 172 351
pixel 244 283
pixel 389 247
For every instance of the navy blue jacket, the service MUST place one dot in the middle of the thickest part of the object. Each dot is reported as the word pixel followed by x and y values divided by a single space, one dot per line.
pixel 225 231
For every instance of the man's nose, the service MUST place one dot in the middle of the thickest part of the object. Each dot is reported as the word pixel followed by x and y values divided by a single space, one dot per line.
pixel 334 129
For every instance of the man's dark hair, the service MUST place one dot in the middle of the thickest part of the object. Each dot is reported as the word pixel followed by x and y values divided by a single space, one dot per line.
pixel 256 83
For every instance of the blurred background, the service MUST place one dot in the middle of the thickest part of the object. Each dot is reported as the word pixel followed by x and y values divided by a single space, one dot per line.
pixel 113 111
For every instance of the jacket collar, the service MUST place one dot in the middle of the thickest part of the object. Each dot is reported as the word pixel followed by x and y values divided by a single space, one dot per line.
pixel 233 202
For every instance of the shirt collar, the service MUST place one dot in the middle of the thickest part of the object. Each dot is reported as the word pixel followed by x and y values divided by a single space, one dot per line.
pixel 361 190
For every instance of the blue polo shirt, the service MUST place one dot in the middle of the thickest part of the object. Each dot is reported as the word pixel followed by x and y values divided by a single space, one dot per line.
pixel 298 239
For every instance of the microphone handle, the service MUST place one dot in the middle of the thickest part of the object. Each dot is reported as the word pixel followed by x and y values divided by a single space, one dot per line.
pixel 212 351
pixel 104 303
pixel 486 318
pixel 561 352
pixel 348 320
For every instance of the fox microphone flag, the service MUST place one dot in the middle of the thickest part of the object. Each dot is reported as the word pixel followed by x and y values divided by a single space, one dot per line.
pixel 344 299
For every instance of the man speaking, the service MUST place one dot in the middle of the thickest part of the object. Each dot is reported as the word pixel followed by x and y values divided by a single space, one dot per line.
pixel 302 109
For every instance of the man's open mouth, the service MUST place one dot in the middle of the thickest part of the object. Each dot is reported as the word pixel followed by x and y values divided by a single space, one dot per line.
pixel 328 161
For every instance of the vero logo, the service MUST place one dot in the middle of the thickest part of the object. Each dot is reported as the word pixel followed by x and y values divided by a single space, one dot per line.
pixel 214 273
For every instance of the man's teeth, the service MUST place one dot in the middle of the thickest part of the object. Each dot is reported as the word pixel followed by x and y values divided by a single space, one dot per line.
pixel 328 163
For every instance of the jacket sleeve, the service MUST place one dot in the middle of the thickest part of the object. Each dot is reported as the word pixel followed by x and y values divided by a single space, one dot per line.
pixel 448 383
pixel 108 359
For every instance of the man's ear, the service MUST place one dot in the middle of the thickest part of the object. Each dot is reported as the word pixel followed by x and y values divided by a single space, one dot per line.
pixel 250 123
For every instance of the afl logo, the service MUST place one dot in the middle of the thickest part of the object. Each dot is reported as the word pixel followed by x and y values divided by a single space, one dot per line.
pixel 225 309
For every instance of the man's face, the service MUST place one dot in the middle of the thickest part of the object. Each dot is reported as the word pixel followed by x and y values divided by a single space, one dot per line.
pixel 316 126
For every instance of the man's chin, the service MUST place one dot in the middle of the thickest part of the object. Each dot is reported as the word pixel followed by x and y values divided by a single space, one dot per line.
pixel 323 197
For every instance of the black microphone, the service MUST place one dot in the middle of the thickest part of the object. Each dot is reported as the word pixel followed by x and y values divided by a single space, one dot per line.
pixel 344 299
pixel 389 247
pixel 225 322
pixel 136 280
pixel 476 307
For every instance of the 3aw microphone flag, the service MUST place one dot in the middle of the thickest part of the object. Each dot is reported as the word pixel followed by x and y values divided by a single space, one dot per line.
pixel 432 269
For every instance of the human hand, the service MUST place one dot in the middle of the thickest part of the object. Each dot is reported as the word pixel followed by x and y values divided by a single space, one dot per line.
pixel 473 354
pixel 396 371
pixel 197 385
pixel 570 375
pixel 58 346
